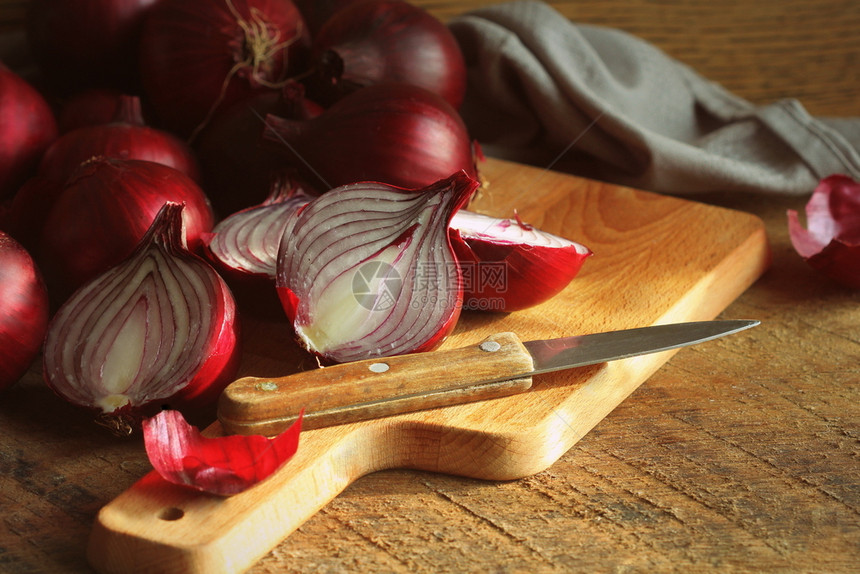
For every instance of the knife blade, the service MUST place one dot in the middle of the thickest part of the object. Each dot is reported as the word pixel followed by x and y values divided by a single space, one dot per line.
pixel 499 366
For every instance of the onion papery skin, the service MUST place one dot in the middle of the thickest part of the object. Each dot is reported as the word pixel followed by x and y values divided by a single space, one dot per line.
pixel 126 137
pixel 199 56
pixel 244 248
pixel 80 44
pixel 383 41
pixel 103 212
pixel 158 330
pixel 28 128
pixel 830 243
pixel 397 134
pixel 25 308
pixel 238 168
pixel 366 270
pixel 221 465
pixel 509 265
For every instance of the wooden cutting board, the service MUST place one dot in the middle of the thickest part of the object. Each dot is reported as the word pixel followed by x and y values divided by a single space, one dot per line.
pixel 657 259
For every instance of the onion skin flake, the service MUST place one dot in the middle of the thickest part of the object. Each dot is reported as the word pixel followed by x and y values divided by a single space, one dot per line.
pixel 224 465
pixel 830 243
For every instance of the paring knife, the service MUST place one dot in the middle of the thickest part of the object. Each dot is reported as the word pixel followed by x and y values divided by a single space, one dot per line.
pixel 500 365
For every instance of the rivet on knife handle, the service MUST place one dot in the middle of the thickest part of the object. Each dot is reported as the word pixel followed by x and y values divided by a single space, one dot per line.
pixel 377 387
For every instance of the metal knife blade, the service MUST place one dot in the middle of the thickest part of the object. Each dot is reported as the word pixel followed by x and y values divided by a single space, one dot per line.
pixel 580 350
pixel 500 365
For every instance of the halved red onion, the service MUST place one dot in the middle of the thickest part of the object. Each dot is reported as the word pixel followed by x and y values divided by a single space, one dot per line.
pixel 158 329
pixel 223 465
pixel 367 270
pixel 831 241
pixel 509 265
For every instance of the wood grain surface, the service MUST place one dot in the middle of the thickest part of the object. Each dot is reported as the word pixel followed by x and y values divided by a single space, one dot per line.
pixel 689 261
pixel 738 458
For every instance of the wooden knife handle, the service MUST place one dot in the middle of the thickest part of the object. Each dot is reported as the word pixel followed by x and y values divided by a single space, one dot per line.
pixel 350 392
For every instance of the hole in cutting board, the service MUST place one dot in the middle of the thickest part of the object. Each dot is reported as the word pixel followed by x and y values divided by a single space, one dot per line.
pixel 171 513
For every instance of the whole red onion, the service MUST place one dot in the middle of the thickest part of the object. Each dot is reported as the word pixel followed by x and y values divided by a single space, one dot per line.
pixel 126 137
pixel 89 107
pixel 398 134
pixel 379 41
pixel 316 12
pixel 199 56
pixel 27 128
pixel 24 316
pixel 105 209
pixel 237 167
pixel 87 43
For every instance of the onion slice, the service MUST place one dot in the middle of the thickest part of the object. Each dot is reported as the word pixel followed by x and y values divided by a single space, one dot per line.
pixel 246 243
pixel 509 265
pixel 223 465
pixel 366 270
pixel 159 329
pixel 831 241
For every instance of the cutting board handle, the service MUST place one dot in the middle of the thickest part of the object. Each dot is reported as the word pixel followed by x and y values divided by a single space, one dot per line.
pixel 156 526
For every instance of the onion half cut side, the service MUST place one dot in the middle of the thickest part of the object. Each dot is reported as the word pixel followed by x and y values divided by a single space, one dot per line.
pixel 367 270
pixel 509 265
pixel 157 330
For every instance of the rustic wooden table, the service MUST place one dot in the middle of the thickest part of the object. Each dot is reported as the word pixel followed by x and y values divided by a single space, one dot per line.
pixel 734 459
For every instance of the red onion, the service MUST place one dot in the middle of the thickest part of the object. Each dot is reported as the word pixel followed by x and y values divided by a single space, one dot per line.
pixel 199 56
pixel 244 247
pixel 508 265
pixel 316 12
pixel 89 107
pixel 29 208
pixel 28 128
pixel 238 167
pixel 24 318
pixel 380 41
pixel 126 137
pixel 105 209
pixel 366 270
pixel 159 329
pixel 831 241
pixel 223 465
pixel 246 243
pixel 397 134
pixel 87 43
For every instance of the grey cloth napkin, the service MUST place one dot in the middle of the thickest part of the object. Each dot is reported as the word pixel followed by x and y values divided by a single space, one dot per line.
pixel 604 104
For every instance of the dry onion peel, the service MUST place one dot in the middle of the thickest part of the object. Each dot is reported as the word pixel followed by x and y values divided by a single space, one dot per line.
pixel 831 241
pixel 224 465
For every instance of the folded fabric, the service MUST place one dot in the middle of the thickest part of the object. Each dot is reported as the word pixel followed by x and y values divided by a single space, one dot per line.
pixel 604 104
